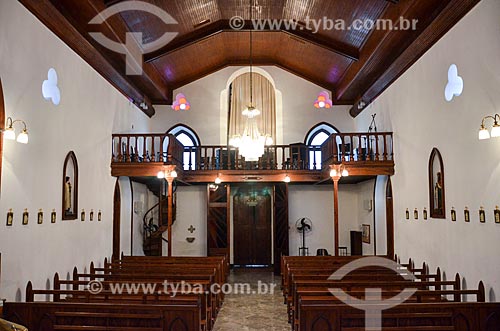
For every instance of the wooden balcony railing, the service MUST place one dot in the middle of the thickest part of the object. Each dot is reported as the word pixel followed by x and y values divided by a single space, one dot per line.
pixel 275 157
pixel 165 148
pixel 147 148
pixel 357 147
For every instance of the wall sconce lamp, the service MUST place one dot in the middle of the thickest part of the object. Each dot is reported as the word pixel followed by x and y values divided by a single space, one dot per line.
pixel 10 133
pixel 334 172
pixel 218 180
pixel 495 130
pixel 287 179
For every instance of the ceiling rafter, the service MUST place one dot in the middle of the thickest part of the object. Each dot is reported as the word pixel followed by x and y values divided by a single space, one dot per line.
pixel 46 12
pixel 356 65
pixel 110 65
pixel 368 52
pixel 220 26
pixel 454 10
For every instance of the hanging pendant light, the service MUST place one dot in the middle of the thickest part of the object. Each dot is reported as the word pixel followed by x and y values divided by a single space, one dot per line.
pixel 252 143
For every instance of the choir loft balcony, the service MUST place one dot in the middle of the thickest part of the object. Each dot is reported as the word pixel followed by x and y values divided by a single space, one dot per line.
pixel 363 155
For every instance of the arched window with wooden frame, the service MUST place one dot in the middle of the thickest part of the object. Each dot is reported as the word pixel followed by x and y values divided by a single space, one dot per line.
pixel 316 136
pixel 190 140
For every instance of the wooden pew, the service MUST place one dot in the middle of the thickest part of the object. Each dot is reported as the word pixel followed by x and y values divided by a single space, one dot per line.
pixel 158 274
pixel 223 260
pixel 49 316
pixel 76 309
pixel 407 316
pixel 153 291
pixel 309 287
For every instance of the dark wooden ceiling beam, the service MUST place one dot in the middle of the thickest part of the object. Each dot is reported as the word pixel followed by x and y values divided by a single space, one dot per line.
pixel 453 12
pixel 220 26
pixel 369 50
pixel 109 3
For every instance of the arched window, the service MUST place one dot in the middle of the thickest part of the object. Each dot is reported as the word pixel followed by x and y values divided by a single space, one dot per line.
pixel 189 139
pixel 315 138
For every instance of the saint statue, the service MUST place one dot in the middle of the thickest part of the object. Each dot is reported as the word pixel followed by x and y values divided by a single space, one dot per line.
pixel 67 195
pixel 438 192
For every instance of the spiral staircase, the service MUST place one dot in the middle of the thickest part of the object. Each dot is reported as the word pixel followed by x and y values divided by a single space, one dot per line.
pixel 155 220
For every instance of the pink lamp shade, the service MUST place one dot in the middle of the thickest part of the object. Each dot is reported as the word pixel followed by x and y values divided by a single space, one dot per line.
pixel 181 103
pixel 323 100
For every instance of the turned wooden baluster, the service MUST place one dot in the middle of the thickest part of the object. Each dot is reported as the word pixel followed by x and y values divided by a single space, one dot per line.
pixel 153 154
pixel 127 151
pixel 283 160
pixel 136 149
pixel 351 148
pixel 113 149
pixel 385 148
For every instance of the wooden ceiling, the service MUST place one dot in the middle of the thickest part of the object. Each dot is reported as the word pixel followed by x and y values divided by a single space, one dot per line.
pixel 355 65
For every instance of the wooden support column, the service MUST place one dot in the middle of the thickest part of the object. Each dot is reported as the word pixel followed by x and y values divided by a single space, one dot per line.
pixel 170 206
pixel 336 174
pixel 336 213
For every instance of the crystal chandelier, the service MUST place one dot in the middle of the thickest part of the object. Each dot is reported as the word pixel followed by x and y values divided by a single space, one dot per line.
pixel 251 143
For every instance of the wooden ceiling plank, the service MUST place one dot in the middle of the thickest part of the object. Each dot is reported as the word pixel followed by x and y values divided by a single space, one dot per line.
pixel 454 12
pixel 186 40
pixel 220 26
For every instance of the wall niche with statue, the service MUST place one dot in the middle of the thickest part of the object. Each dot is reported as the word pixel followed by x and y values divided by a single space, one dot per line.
pixel 436 185
pixel 70 188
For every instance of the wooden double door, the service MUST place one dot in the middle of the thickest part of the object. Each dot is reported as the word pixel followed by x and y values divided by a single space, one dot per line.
pixel 252 208
pixel 254 230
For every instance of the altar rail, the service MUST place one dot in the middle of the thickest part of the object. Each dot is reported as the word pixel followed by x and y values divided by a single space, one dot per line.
pixel 347 148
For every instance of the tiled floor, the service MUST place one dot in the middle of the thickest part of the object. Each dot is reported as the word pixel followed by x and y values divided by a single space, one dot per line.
pixel 255 311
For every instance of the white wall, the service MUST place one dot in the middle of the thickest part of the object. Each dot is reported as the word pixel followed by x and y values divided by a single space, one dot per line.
pixel 415 109
pixel 380 210
pixel 365 193
pixel 32 174
pixel 205 116
pixel 316 203
pixel 191 210
pixel 131 222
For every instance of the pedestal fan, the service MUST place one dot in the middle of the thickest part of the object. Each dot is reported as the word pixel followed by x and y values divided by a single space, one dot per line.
pixel 303 226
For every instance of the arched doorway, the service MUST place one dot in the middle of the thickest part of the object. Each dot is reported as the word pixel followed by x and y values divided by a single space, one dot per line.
pixel 2 126
pixel 390 219
pixel 116 220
